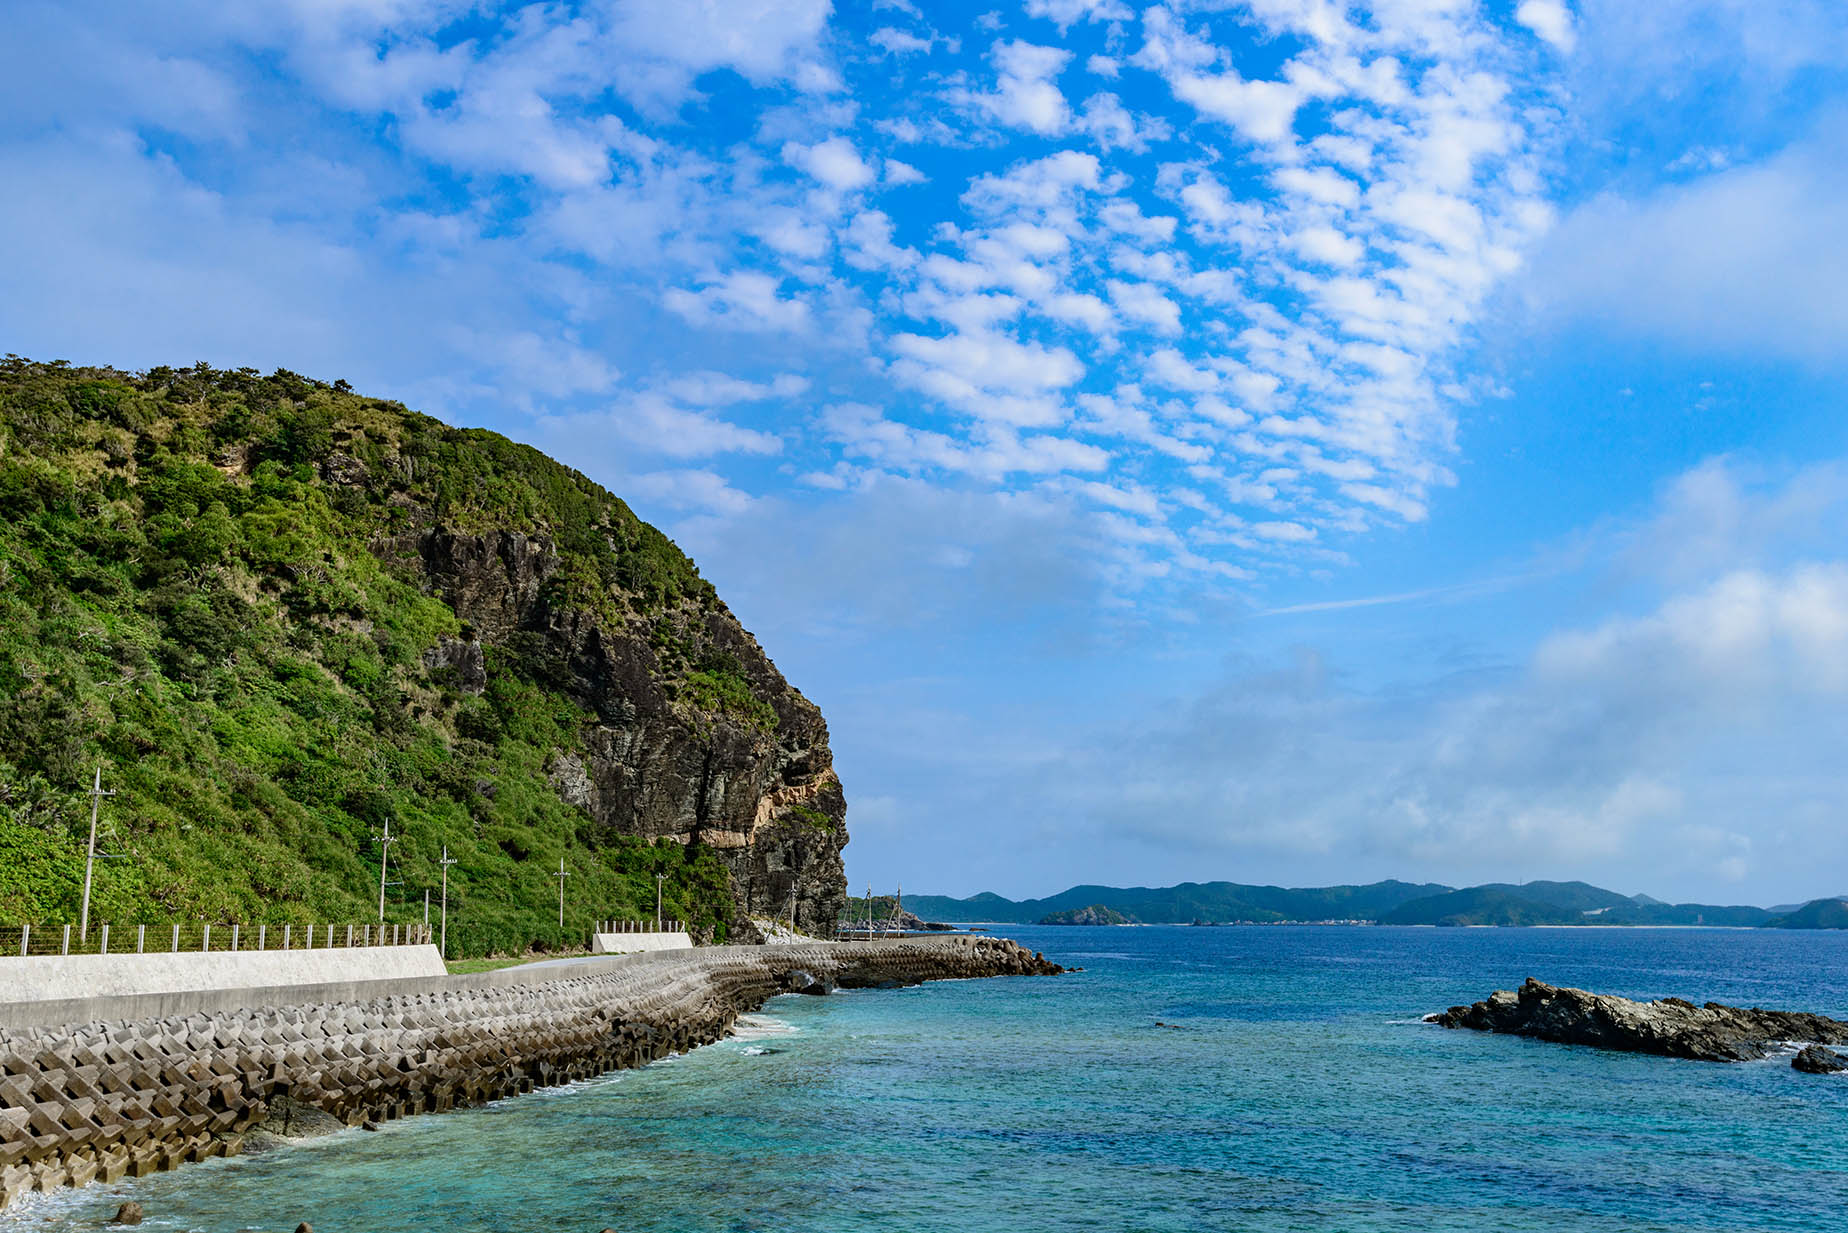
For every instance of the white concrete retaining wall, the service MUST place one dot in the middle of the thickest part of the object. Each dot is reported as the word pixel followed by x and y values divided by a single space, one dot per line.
pixel 43 978
pixel 635 943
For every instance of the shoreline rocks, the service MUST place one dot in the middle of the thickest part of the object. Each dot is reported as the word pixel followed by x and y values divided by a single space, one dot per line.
pixel 1816 1060
pixel 1668 1027
pixel 100 1101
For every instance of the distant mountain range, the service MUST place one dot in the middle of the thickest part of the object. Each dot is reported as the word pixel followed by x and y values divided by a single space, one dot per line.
pixel 1387 903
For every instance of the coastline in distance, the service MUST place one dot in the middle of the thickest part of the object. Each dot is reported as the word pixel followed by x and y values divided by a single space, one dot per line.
pixel 1388 903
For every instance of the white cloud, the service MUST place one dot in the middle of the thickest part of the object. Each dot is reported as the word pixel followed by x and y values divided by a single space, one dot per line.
pixel 898 173
pixel 1551 20
pixel 742 300
pixel 1146 304
pixel 716 389
pixel 655 423
pixel 865 433
pixel 1025 94
pixel 1327 246
pixel 1262 111
pixel 1283 532
pixel 834 162
pixel 989 375
pixel 1107 122
pixel 1750 260
pixel 869 244
pixel 663 48
pixel 898 42
pixel 1746 633
pixel 1170 369
pixel 1068 13
pixel 697 490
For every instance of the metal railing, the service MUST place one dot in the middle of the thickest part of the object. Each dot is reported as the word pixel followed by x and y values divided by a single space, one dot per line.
pixel 640 926
pixel 110 939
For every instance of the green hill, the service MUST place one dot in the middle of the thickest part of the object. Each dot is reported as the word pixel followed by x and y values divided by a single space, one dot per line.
pixel 1816 914
pixel 1390 902
pixel 281 616
pixel 1214 902
pixel 1481 905
pixel 1092 914
pixel 1568 896
pixel 1653 913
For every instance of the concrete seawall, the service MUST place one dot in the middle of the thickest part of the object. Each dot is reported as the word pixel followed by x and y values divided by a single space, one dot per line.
pixel 128 1086
pixel 51 978
pixel 637 943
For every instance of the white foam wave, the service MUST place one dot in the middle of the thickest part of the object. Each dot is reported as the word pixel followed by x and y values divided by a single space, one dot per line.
pixel 760 1027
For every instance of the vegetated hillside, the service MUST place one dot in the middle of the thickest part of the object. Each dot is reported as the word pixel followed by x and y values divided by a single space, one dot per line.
pixel 1816 914
pixel 1213 902
pixel 1095 914
pixel 1390 902
pixel 1736 915
pixel 1570 896
pixel 281 616
pixel 1481 905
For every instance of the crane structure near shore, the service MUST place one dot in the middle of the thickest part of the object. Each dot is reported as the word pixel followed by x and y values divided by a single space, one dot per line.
pixel 874 924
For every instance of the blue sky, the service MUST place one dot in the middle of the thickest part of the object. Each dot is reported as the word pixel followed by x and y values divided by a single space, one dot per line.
pixel 1281 441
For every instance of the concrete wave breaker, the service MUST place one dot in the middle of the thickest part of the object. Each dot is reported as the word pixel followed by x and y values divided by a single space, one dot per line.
pixel 127 1097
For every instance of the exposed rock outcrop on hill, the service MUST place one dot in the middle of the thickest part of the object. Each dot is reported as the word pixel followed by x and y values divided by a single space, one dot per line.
pixel 756 785
pixel 1668 1027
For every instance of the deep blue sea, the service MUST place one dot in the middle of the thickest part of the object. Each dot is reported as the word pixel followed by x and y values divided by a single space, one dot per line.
pixel 1297 1090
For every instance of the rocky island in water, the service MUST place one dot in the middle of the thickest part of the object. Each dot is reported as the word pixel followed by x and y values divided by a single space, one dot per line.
pixel 1667 1027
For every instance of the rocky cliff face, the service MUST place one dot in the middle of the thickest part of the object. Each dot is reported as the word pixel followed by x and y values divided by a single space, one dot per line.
pixel 286 619
pixel 758 788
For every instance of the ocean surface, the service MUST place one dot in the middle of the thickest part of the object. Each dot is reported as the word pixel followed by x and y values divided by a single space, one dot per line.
pixel 1296 1090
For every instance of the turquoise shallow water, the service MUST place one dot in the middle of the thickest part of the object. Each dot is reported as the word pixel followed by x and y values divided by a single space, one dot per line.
pixel 1298 1092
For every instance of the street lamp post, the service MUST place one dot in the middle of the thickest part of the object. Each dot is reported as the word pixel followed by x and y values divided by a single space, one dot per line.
pixel 561 875
pixel 659 878
pixel 446 862
pixel 385 842
pixel 89 861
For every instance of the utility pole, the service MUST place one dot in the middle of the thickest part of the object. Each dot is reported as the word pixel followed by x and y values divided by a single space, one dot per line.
pixel 446 862
pixel 385 842
pixel 561 875
pixel 89 861
pixel 659 878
